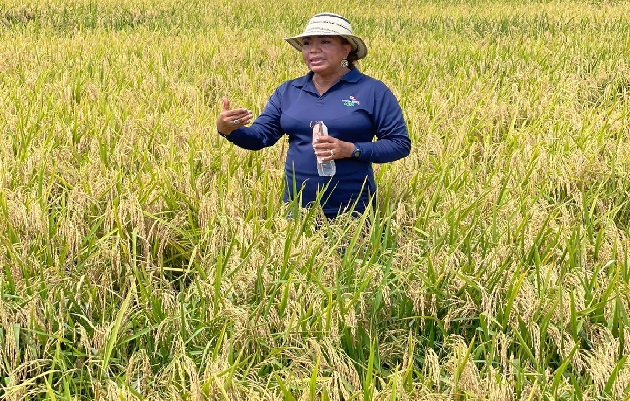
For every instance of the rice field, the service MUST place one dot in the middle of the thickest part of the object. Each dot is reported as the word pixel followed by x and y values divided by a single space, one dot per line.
pixel 143 257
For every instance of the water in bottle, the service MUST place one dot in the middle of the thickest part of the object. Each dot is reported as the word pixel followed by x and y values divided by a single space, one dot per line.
pixel 324 168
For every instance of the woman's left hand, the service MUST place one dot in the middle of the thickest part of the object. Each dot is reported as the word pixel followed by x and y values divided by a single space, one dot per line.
pixel 330 148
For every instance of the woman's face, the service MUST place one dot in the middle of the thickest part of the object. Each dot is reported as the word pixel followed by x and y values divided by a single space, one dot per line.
pixel 323 54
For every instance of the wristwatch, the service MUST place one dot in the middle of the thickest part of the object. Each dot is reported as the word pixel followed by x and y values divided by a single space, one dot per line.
pixel 356 152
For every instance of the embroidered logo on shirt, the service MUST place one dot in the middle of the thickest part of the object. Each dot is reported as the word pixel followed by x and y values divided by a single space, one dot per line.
pixel 351 102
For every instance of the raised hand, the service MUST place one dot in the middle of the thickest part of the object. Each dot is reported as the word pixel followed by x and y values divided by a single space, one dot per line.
pixel 231 119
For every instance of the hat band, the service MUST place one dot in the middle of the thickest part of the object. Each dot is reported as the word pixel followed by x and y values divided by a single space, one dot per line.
pixel 345 27
pixel 332 16
pixel 327 28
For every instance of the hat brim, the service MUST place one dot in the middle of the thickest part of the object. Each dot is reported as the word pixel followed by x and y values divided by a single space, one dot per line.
pixel 357 43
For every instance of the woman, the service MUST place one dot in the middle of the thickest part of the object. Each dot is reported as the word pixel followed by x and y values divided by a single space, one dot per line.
pixel 355 108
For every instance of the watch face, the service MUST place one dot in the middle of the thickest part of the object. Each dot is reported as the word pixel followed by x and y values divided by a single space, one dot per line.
pixel 356 153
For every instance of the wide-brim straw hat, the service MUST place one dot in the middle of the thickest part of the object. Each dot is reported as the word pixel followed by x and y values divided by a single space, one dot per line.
pixel 328 24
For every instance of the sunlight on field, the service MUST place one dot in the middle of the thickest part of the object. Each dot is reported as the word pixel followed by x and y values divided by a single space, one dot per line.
pixel 144 257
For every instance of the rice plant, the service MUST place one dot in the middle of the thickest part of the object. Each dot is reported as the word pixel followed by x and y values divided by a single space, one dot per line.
pixel 144 257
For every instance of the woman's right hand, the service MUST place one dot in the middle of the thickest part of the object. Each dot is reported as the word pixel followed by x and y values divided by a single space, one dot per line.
pixel 229 120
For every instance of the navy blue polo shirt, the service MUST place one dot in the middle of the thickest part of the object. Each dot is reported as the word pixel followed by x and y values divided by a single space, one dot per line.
pixel 357 109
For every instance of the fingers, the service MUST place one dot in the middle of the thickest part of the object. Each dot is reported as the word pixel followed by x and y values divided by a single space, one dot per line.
pixel 330 148
pixel 238 115
pixel 326 155
pixel 326 139
pixel 228 114
pixel 327 148
pixel 231 119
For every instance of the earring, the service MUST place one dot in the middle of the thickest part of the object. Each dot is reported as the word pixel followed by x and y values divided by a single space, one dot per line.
pixel 344 63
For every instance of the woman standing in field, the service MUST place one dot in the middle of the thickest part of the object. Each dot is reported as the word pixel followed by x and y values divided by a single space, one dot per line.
pixel 354 107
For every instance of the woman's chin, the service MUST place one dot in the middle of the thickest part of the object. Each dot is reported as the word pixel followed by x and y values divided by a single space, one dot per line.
pixel 319 68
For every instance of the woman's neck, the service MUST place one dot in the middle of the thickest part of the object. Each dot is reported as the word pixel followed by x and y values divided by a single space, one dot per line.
pixel 330 78
pixel 324 82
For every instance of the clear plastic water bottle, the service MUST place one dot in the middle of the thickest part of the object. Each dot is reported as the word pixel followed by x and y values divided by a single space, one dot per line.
pixel 324 168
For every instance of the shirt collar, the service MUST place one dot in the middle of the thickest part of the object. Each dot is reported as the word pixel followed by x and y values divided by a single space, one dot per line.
pixel 352 76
